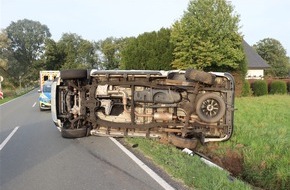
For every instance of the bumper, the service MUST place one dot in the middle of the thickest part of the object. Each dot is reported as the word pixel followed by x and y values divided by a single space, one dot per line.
pixel 44 105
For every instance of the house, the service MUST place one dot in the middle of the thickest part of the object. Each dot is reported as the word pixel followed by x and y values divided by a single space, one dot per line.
pixel 256 64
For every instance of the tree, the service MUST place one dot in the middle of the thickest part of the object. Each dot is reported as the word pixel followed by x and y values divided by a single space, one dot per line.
pixel 4 53
pixel 148 51
pixel 288 66
pixel 75 52
pixel 53 56
pixel 110 50
pixel 207 37
pixel 272 51
pixel 27 45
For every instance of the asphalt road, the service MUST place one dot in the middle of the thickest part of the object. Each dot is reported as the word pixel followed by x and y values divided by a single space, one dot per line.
pixel 36 157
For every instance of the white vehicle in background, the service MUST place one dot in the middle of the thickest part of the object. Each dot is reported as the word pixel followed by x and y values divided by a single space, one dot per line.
pixel 46 79
pixel 178 107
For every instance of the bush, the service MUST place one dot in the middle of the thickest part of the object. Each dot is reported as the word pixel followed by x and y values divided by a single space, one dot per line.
pixel 288 86
pixel 260 88
pixel 278 87
pixel 9 93
pixel 246 91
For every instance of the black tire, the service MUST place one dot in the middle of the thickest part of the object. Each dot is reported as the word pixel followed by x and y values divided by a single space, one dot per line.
pixel 73 133
pixel 200 76
pixel 182 142
pixel 73 74
pixel 210 107
pixel 176 76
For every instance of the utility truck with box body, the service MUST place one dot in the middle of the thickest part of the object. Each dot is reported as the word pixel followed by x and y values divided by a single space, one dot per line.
pixel 46 75
pixel 178 107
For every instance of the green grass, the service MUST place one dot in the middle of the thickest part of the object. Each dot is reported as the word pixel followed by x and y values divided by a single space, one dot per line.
pixel 262 128
pixel 261 138
pixel 2 101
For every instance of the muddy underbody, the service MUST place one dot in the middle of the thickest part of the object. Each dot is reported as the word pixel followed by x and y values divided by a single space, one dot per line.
pixel 178 107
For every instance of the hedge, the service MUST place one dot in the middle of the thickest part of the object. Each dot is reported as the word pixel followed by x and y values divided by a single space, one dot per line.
pixel 260 88
pixel 278 87
pixel 246 91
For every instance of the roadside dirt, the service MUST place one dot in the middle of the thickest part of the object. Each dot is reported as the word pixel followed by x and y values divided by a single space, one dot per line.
pixel 232 160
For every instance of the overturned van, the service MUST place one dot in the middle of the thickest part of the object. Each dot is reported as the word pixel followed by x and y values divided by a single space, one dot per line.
pixel 178 107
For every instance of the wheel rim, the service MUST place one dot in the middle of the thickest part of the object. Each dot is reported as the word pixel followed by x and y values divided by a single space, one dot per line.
pixel 210 107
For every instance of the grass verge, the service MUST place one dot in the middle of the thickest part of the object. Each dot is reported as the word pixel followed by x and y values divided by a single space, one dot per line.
pixel 189 169
pixel 11 94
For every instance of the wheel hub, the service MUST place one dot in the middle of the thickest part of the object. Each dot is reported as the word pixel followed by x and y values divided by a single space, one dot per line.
pixel 209 107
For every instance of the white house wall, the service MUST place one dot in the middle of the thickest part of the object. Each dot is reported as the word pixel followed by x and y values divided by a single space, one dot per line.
pixel 255 74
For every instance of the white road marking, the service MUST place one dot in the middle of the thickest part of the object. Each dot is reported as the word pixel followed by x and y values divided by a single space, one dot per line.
pixel 34 104
pixel 149 171
pixel 8 138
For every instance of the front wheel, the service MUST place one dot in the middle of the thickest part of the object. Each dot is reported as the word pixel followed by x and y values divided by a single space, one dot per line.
pixel 74 133
pixel 210 107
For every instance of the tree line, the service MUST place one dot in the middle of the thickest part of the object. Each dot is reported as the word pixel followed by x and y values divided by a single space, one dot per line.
pixel 206 38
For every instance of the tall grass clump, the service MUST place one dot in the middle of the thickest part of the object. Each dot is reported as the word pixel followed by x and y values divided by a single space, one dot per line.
pixel 260 88
pixel 278 87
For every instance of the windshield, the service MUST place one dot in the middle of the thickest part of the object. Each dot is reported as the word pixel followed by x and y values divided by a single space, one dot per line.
pixel 47 87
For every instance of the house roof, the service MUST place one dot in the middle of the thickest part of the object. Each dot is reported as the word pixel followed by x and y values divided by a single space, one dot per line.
pixel 255 61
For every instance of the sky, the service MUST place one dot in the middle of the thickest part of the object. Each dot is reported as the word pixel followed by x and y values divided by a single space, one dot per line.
pixel 96 20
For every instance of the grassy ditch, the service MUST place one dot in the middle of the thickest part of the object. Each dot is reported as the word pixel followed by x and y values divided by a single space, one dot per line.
pixel 258 152
pixel 189 169
pixel 262 138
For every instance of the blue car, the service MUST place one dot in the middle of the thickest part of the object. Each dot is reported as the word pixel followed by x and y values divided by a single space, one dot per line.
pixel 45 96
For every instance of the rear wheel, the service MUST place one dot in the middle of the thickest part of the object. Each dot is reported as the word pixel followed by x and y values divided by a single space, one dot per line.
pixel 177 76
pixel 199 76
pixel 73 74
pixel 210 107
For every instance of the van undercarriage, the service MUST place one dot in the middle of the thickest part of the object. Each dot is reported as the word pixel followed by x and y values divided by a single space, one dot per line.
pixel 178 107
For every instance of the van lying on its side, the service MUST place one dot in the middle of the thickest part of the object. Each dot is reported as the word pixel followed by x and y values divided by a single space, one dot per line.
pixel 178 107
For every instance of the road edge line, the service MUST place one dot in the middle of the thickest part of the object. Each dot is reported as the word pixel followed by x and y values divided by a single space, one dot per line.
pixel 148 170
pixel 8 138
